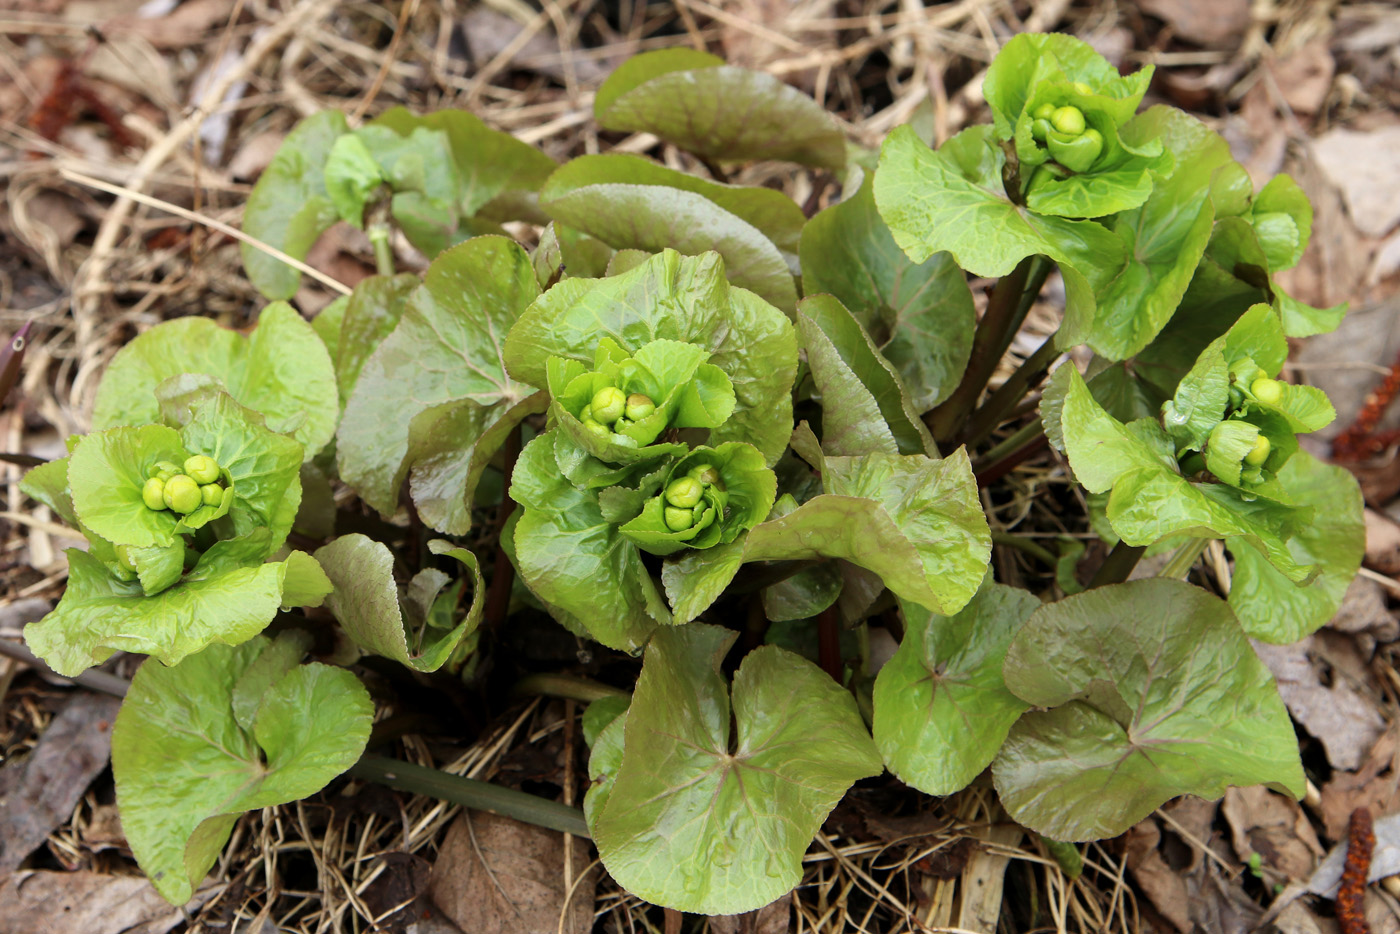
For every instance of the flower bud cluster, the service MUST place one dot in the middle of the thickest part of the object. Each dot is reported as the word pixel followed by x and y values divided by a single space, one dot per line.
pixel 1064 131
pixel 183 490
pixel 685 497
pixel 612 410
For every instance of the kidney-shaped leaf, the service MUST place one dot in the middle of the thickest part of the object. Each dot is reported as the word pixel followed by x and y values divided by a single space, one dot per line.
pixel 1269 605
pixel 447 347
pixel 366 602
pixel 699 820
pixel 921 315
pixel 719 112
pixel 281 370
pixel 941 708
pixel 1155 693
pixel 186 767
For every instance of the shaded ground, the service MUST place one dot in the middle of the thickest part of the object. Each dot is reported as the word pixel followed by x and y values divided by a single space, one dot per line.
pixel 1305 87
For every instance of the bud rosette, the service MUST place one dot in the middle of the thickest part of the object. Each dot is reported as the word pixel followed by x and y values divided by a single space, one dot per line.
pixel 617 410
pixel 1069 114
pixel 709 497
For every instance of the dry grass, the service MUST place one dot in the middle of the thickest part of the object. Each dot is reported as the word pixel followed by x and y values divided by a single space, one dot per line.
pixel 97 254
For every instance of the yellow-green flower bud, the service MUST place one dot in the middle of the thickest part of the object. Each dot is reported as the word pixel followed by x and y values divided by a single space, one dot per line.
pixel 706 474
pixel 1040 129
pixel 182 494
pixel 639 406
pixel 596 427
pixel 684 492
pixel 153 493
pixel 1267 391
pixel 678 520
pixel 608 404
pixel 202 469
pixel 1043 112
pixel 212 494
pixel 1069 120
pixel 164 470
pixel 1259 453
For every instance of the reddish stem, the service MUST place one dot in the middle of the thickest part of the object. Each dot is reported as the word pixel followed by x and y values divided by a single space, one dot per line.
pixel 1351 897
pixel 503 573
pixel 829 642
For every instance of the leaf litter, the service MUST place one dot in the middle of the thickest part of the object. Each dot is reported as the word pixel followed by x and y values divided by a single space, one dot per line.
pixel 854 877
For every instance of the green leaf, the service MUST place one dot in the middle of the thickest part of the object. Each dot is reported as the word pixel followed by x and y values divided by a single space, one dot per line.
pixel 107 471
pixel 351 176
pixel 673 298
pixel 920 315
pixel 48 483
pixel 371 313
pixel 599 714
pixel 1200 401
pixel 1156 693
pixel 575 560
pixel 741 500
pixel 773 213
pixel 366 602
pixel 865 405
pixel 99 614
pixel 1163 239
pixel 186 768
pixel 656 217
pixel 490 164
pixel 701 821
pixel 694 580
pixel 803 595
pixel 1282 217
pixel 450 447
pixel 447 347
pixel 941 708
pixel 281 370
pixel 1273 608
pixel 719 112
pixel 289 208
pixel 915 521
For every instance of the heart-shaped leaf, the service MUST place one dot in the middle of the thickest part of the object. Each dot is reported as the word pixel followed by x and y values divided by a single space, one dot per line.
pixel 699 820
pixel 187 764
pixel 1155 693
pixel 941 708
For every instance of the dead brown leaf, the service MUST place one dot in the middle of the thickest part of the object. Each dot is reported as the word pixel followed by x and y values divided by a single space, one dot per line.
pixel 1297 918
pixel 775 918
pixel 85 903
pixel 1365 167
pixel 187 24
pixel 39 791
pixel 1382 543
pixel 1338 257
pixel 1264 822
pixel 1323 701
pixel 1373 785
pixel 1363 614
pixel 1304 78
pixel 1164 887
pixel 1204 22
pixel 497 874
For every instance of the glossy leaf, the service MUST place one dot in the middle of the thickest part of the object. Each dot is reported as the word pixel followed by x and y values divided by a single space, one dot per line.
pixel 674 298
pixel 281 370
pixel 1155 693
pixel 699 820
pixel 920 315
pixel 941 708
pixel 915 521
pixel 371 313
pixel 865 405
pixel 656 217
pixel 186 767
pixel 214 602
pixel 719 112
pixel 447 347
pixel 289 208
pixel 1273 608
pixel 366 602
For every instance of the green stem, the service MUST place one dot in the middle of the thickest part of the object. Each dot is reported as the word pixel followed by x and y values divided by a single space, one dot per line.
pixel 383 249
pixel 997 407
pixel 1026 545
pixel 1118 565
pixel 1011 299
pixel 468 792
pixel 1002 459
pixel 1184 558
pixel 584 690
